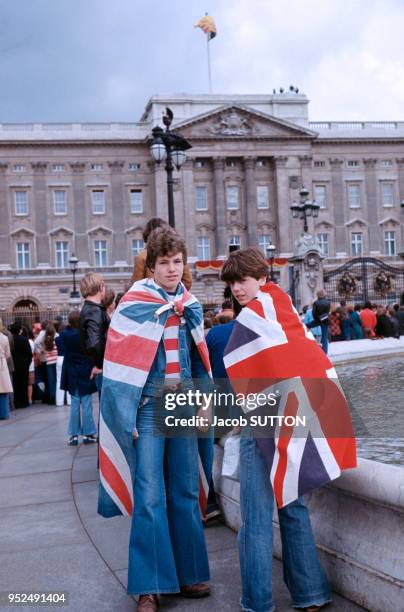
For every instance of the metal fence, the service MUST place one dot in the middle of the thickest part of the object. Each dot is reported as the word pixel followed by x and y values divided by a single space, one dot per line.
pixel 28 316
pixel 365 279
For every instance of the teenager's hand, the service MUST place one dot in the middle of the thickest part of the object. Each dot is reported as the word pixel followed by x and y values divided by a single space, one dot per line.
pixel 95 371
pixel 135 434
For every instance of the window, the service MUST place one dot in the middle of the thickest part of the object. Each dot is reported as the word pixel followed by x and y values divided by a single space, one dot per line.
pixel 98 201
pixel 263 242
pixel 58 167
pixel 352 163
pixel 320 195
pixel 23 257
pixel 262 196
pixel 386 163
pixel 261 163
pixel 59 202
pixel 234 243
pixel 356 244
pixel 387 194
pixel 62 254
pixel 96 167
pixel 389 243
pixel 137 246
pixel 354 196
pixel 199 163
pixel 319 164
pixel 21 202
pixel 136 201
pixel 100 253
pixel 323 243
pixel 19 168
pixel 201 197
pixel 232 197
pixel 133 167
pixel 231 163
pixel 203 248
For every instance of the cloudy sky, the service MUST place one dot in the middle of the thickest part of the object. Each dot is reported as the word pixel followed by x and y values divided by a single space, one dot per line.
pixel 98 60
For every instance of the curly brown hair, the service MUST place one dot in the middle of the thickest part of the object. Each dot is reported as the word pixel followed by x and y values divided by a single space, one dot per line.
pixel 49 338
pixel 162 242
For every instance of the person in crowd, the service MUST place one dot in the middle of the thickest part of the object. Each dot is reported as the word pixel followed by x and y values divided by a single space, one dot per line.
pixel 118 297
pixel 6 387
pixel 22 356
pixel 226 313
pixel 140 269
pixel 51 353
pixel 41 373
pixel 10 362
pixel 355 322
pixel 308 319
pixel 335 324
pixel 76 380
pixel 345 323
pixel 246 272
pixel 109 301
pixel 369 320
pixel 94 323
pixel 384 328
pixel 395 325
pixel 167 550
pixel 321 311
pixel 36 327
pixel 399 315
pixel 31 370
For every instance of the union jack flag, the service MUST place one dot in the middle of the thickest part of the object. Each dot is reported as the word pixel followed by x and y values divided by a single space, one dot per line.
pixel 135 332
pixel 271 350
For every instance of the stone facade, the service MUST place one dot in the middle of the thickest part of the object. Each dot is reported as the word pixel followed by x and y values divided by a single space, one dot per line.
pixel 90 188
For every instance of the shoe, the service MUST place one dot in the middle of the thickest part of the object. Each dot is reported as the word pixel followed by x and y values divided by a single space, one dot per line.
pixel 148 603
pixel 73 441
pixel 194 591
pixel 212 512
pixel 90 439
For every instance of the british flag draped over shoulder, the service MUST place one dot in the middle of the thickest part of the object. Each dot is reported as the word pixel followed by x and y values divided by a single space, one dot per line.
pixel 271 350
pixel 137 326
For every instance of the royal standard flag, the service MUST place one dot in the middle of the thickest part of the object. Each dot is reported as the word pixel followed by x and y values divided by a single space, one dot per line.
pixel 208 26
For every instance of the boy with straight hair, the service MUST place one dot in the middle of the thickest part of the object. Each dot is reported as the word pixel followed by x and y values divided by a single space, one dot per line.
pixel 271 349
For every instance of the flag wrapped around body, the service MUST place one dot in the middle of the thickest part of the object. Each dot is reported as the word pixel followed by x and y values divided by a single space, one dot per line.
pixel 271 349
pixel 208 26
pixel 136 329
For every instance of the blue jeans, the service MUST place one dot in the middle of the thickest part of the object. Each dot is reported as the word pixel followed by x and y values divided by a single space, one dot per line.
pixel 51 372
pixel 167 545
pixel 324 336
pixel 86 425
pixel 4 414
pixel 302 571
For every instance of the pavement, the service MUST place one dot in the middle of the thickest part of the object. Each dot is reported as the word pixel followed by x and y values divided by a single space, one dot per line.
pixel 52 540
pixel 353 350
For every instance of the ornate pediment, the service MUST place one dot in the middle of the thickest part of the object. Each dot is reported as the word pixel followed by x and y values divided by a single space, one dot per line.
pixel 238 121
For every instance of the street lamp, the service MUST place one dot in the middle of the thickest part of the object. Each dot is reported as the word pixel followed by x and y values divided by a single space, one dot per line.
pixel 169 146
pixel 73 261
pixel 271 248
pixel 305 208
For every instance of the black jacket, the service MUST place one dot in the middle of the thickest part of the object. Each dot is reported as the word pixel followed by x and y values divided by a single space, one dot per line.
pixel 94 323
pixel 321 307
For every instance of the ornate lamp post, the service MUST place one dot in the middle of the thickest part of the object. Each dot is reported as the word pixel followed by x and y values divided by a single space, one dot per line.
pixel 271 249
pixel 305 208
pixel 73 261
pixel 169 146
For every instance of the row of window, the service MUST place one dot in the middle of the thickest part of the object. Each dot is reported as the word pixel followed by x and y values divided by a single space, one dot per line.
pixel 59 196
pixel 354 194
pixel 354 163
pixel 96 167
pixel 357 249
pixel 62 254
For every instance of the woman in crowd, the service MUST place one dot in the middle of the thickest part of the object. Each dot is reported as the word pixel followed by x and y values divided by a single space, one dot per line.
pixel 51 353
pixel 335 325
pixel 109 301
pixel 22 357
pixel 76 380
pixel 5 381
pixel 31 369
pixel 355 322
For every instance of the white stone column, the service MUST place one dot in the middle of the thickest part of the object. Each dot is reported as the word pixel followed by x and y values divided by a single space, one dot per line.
pixel 371 191
pixel 40 214
pixel 250 201
pixel 338 196
pixel 220 207
pixel 282 212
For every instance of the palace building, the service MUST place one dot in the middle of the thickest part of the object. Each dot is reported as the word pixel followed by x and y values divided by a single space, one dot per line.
pixel 89 188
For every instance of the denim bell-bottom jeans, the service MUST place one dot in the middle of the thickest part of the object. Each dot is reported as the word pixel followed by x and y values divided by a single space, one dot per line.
pixel 167 546
pixel 302 571
pixel 81 424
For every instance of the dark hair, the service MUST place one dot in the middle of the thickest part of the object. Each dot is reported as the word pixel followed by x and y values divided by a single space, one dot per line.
pixel 118 298
pixel 207 323
pixel 109 297
pixel 227 304
pixel 151 225
pixel 49 337
pixel 74 319
pixel 242 263
pixel 368 305
pixel 162 242
pixel 15 327
pixel 358 307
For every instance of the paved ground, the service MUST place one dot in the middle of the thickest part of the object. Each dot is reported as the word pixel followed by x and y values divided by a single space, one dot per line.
pixel 353 350
pixel 51 538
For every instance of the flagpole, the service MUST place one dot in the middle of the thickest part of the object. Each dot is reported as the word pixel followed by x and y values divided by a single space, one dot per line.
pixel 209 69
